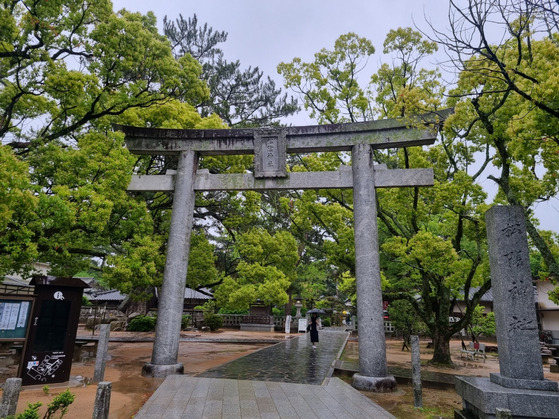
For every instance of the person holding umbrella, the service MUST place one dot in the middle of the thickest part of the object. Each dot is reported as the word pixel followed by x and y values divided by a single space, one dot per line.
pixel 313 327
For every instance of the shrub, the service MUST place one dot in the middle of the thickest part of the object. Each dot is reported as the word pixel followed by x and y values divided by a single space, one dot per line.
pixel 326 322
pixel 185 321
pixel 213 321
pixel 142 324
pixel 278 311
pixel 231 311
pixel 59 404
pixel 32 412
pixel 209 306
pixel 405 320
pixel 483 324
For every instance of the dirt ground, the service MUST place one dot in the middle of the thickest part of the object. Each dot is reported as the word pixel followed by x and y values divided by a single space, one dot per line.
pixel 437 403
pixel 130 390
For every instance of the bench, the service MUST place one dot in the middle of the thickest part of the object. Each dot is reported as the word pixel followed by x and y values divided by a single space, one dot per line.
pixel 474 349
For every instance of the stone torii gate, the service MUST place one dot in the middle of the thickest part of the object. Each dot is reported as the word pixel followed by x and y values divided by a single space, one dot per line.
pixel 270 147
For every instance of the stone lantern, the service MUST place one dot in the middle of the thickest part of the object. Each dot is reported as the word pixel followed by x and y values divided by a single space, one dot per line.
pixel 298 304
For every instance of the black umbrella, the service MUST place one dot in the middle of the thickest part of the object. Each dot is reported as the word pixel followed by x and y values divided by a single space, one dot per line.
pixel 316 310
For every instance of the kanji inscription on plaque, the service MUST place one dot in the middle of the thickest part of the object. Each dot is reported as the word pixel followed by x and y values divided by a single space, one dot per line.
pixel 269 153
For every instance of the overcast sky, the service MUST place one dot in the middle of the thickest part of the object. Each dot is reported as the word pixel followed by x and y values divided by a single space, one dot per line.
pixel 263 33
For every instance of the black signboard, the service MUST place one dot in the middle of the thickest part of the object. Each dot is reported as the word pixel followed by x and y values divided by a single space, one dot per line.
pixel 52 330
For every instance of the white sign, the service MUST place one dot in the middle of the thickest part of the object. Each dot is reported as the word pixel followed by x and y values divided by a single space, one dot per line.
pixel 22 319
pixel 288 324
pixel 8 319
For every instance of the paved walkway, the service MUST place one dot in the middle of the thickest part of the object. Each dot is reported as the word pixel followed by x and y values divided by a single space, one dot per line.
pixel 292 361
pixel 286 380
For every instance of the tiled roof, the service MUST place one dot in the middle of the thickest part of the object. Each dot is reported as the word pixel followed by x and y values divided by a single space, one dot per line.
pixel 15 281
pixel 197 295
pixel 110 295
pixel 114 295
pixel 487 297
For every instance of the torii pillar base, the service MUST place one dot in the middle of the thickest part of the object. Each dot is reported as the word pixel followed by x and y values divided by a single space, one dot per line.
pixel 162 371
pixel 376 384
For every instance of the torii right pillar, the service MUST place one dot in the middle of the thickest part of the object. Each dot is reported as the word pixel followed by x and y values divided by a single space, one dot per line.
pixel 373 374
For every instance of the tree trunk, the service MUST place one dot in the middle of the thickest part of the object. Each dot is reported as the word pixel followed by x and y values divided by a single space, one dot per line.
pixel 543 248
pixel 441 346
pixel 504 183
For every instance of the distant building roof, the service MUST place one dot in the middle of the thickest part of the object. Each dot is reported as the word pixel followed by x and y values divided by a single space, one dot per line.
pixel 189 293
pixel 203 294
pixel 115 295
pixel 110 295
pixel 11 285
pixel 487 297
pixel 15 281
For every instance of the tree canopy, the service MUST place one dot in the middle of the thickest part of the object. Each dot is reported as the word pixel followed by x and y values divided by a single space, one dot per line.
pixel 433 239
pixel 241 98
pixel 67 71
pixel 70 70
pixel 67 65
pixel 506 103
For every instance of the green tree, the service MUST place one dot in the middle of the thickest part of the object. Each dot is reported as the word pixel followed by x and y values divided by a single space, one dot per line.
pixel 241 98
pixel 483 324
pixel 202 270
pixel 433 239
pixel 265 269
pixel 414 222
pixel 405 321
pixel 505 102
pixel 18 219
pixel 67 71
pixel 312 282
pixel 66 65
pixel 329 85
pixel 404 88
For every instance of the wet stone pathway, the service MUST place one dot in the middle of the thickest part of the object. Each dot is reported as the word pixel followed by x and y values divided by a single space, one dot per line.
pixel 292 361
pixel 287 380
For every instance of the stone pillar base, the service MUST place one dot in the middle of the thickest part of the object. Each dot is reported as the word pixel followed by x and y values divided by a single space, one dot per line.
pixel 544 385
pixel 377 384
pixel 161 371
pixel 481 398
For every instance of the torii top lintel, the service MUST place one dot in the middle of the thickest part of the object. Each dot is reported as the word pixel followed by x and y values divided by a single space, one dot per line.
pixel 386 133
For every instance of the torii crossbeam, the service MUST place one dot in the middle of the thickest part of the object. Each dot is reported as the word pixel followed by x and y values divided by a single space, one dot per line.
pixel 270 147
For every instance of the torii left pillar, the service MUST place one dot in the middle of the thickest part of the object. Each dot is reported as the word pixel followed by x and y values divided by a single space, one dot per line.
pixel 165 352
pixel 373 372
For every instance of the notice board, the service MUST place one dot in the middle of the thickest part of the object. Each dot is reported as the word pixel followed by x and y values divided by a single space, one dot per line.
pixel 49 348
pixel 14 317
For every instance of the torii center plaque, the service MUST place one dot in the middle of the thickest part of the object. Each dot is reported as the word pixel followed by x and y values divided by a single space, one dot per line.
pixel 270 148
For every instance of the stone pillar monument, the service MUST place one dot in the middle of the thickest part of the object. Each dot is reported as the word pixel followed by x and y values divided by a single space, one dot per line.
pixel 373 373
pixel 520 386
pixel 171 300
